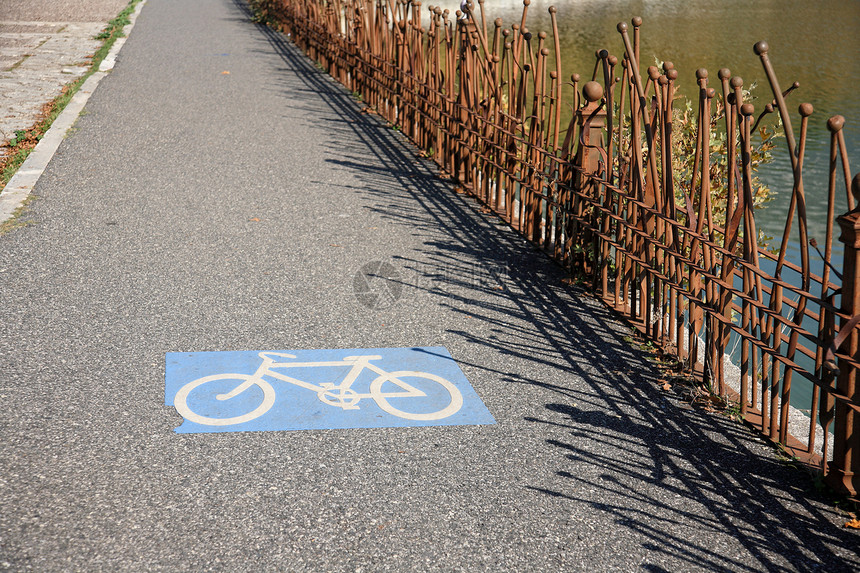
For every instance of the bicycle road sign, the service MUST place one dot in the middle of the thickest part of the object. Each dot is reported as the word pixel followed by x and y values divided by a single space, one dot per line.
pixel 273 390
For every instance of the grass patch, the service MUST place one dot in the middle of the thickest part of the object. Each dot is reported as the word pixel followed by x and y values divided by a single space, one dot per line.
pixel 17 220
pixel 20 146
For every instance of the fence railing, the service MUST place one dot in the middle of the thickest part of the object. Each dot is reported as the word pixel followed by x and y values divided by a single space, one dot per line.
pixel 611 195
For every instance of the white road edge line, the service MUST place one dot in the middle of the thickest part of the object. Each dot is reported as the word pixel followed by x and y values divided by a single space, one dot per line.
pixel 25 179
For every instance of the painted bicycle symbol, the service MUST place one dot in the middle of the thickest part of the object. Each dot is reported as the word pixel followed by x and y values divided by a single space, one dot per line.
pixel 386 388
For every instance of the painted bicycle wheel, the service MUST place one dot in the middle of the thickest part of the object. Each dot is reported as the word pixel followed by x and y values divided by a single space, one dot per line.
pixel 222 410
pixel 416 395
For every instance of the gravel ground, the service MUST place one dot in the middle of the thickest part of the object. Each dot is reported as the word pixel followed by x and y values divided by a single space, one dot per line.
pixel 61 10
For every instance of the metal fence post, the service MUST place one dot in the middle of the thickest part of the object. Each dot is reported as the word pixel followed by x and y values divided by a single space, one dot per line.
pixel 588 163
pixel 844 474
pixel 592 121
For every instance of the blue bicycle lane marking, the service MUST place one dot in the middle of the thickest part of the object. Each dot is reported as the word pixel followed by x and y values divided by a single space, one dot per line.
pixel 275 390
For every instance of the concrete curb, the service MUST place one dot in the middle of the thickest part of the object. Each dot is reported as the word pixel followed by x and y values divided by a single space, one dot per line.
pixel 25 179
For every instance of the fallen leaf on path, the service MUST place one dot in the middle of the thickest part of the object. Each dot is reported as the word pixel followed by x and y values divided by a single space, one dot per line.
pixel 853 524
pixel 225 73
pixel 254 219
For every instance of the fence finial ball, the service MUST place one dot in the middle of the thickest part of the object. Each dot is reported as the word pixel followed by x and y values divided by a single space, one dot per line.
pixel 701 74
pixel 724 73
pixel 805 109
pixel 835 123
pixel 737 82
pixel 761 48
pixel 622 27
pixel 526 2
pixel 637 21
pixel 592 91
pixel 748 109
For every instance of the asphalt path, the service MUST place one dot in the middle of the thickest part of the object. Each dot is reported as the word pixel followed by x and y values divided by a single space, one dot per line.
pixel 221 193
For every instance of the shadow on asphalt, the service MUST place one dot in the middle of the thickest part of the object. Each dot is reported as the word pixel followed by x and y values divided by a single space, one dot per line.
pixel 694 466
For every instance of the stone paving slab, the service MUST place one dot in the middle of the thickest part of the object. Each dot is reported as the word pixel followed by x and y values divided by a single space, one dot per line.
pixel 37 64
pixel 44 45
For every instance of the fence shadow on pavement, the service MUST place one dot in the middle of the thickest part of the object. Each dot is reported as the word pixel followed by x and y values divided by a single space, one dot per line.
pixel 668 469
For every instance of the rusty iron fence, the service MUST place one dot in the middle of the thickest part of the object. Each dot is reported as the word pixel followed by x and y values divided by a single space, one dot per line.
pixel 600 190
